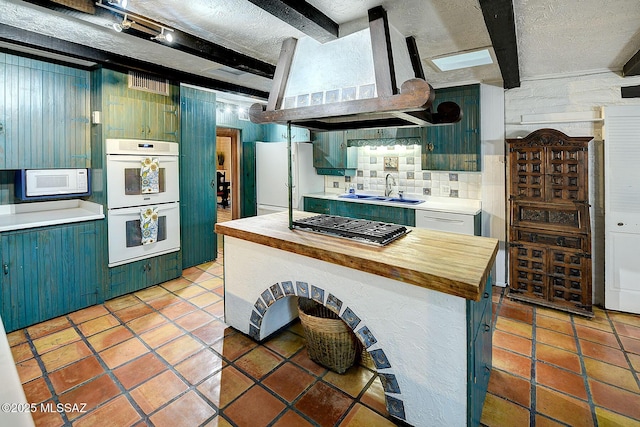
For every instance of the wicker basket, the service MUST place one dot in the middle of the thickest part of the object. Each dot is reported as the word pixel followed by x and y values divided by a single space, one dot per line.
pixel 330 341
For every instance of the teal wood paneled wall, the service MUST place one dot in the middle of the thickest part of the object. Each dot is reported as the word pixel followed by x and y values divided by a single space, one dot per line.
pixel 198 176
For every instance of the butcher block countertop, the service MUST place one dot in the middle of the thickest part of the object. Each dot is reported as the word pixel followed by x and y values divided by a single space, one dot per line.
pixel 455 264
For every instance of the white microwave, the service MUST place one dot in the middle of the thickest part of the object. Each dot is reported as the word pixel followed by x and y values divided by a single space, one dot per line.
pixel 39 184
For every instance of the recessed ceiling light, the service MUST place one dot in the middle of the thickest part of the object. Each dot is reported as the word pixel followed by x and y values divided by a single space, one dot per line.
pixel 463 60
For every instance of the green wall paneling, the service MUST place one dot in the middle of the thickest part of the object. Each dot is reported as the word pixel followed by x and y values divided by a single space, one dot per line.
pixel 49 271
pixel 248 179
pixel 455 147
pixel 198 176
pixel 278 133
pixel 137 275
pixel 44 114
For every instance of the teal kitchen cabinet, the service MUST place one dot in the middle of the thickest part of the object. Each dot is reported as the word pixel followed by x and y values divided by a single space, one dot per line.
pixel 277 133
pixel 332 156
pixel 44 115
pixel 374 212
pixel 321 206
pixel 385 136
pixel 49 271
pixel 131 277
pixel 455 147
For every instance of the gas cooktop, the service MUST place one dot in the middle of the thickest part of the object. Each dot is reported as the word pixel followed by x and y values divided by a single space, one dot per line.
pixel 363 230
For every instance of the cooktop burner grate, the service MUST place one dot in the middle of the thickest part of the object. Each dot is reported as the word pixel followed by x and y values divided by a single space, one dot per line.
pixel 364 230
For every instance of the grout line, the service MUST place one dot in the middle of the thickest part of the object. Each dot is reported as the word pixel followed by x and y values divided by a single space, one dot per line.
pixel 583 368
pixel 534 382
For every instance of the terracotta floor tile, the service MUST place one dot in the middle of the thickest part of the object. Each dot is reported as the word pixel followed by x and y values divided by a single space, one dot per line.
pixel 109 338
pixel 514 327
pixel 175 284
pixel 48 327
pixel 197 275
pixel 296 328
pixel 511 362
pixel 597 323
pixel 205 299
pixel 520 313
pixel 626 330
pixel 164 301
pixel 611 419
pixel 138 371
pixel 323 404
pixel 194 320
pixel 224 386
pixel 99 324
pixel 74 374
pixel 256 407
pixel 212 284
pixel 161 335
pixel 635 361
pixel 216 309
pixel 291 419
pixel 37 390
pixel 554 324
pixel 498 412
pixel 610 374
pixel 122 302
pixel 190 291
pixel 16 337
pixel 286 343
pixel 158 391
pixel 218 421
pixel 563 408
pixel 21 352
pixel 374 398
pixel 55 340
pixel 259 362
pixel 200 366
pixel 615 399
pixel 631 345
pixel 598 336
pixel 65 355
pixel 123 352
pixel 561 315
pixel 352 382
pixel 512 342
pixel 90 395
pixel 133 312
pixel 302 359
pixel 561 380
pixel 360 416
pixel 628 318
pixel 234 346
pixel 556 339
pixel 146 322
pixel 211 332
pixel 153 292
pixel 603 353
pixel 289 381
pixel 510 387
pixel 179 349
pixel 542 421
pixel 47 418
pixel 559 357
pixel 88 313
pixel 117 412
pixel 178 309
pixel 187 411
pixel 216 269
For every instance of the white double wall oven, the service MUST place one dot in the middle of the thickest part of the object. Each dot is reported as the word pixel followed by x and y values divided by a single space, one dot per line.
pixel 131 199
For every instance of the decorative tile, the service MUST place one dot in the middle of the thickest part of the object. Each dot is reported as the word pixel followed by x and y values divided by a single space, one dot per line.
pixel 373 174
pixel 336 184
pixel 349 93
pixel 395 407
pixel 426 176
pixel 254 332
pixel 256 319
pixel 267 297
pixel 410 160
pixel 410 175
pixel 367 337
pixel 359 173
pixel 350 318
pixel 389 383
pixel 426 191
pixel 288 288
pixel 317 98
pixel 373 160
pixel 380 359
pixel 453 193
pixel 259 305
pixel 303 289
pixel 290 102
pixel 317 294
pixel 453 177
pixel 334 304
pixel 360 186
pixel 303 100
pixel 332 96
pixel 276 290
pixel 366 91
pixel 347 178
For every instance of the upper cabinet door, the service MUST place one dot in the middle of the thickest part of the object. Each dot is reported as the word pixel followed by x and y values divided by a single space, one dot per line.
pixel 44 115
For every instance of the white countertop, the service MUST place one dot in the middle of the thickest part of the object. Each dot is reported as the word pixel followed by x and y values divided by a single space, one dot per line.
pixel 40 214
pixel 431 203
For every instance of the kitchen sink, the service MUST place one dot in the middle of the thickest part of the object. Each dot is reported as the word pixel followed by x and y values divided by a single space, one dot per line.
pixel 402 200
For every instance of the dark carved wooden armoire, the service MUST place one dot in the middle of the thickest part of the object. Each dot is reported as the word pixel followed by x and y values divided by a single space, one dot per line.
pixel 550 231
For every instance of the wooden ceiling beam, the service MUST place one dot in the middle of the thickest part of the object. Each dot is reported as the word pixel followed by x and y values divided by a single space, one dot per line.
pixel 302 16
pixel 500 22
pixel 632 67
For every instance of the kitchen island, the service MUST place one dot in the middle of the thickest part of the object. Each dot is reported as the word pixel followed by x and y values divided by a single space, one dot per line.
pixel 419 305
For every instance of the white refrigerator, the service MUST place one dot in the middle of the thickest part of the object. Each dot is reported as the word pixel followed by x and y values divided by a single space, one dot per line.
pixel 272 175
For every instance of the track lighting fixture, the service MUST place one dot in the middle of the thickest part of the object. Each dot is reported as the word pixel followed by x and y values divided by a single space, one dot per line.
pixel 124 25
pixel 121 3
pixel 168 37
pixel 139 23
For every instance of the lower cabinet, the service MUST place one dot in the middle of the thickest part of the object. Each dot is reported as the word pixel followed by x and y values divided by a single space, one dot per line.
pixel 137 275
pixel 392 214
pixel 49 271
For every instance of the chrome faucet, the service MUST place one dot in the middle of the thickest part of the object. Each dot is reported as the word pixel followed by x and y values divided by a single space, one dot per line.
pixel 388 189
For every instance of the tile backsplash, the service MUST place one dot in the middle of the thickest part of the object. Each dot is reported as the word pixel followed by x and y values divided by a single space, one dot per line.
pixel 409 177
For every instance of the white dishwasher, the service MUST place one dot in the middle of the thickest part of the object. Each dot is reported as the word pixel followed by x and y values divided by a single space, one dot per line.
pixel 446 221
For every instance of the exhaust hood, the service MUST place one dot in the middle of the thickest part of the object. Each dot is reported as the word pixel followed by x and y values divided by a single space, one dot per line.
pixel 351 83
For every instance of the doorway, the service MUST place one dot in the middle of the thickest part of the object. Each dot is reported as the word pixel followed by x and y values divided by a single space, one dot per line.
pixel 228 174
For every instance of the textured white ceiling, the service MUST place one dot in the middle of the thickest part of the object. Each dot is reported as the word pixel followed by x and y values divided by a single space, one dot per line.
pixel 555 37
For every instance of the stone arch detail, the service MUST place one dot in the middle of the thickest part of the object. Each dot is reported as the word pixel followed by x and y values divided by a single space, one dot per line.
pixel 279 290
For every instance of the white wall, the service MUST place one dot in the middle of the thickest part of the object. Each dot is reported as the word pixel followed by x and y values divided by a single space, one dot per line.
pixel 573 94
